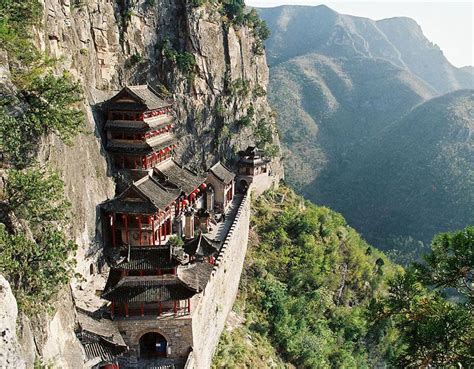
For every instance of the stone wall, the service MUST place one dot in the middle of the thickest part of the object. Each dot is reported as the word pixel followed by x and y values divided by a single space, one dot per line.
pixel 177 331
pixel 260 183
pixel 215 303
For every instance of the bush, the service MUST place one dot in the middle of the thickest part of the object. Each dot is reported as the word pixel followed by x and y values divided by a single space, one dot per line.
pixel 36 265
pixel 51 108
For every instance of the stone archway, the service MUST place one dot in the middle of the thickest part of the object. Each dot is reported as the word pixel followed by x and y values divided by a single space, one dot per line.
pixel 153 344
pixel 243 185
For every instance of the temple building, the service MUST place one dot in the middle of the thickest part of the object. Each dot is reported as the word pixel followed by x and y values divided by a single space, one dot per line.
pixel 221 181
pixel 163 235
pixel 253 169
pixel 139 128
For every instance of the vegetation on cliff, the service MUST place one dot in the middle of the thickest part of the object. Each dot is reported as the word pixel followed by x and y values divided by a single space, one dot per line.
pixel 321 297
pixel 34 250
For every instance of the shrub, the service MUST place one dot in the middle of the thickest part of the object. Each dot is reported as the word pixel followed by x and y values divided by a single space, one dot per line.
pixel 51 108
pixel 36 265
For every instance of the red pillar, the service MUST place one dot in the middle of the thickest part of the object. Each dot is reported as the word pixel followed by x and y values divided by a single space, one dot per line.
pixel 175 307
pixel 125 220
pixel 160 308
pixel 139 219
pixel 189 305
pixel 152 229
pixel 112 223
pixel 142 309
pixel 126 309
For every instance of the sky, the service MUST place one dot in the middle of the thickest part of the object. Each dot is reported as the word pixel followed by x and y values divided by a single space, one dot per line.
pixel 447 24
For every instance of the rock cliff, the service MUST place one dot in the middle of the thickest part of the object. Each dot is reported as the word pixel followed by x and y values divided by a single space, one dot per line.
pixel 106 44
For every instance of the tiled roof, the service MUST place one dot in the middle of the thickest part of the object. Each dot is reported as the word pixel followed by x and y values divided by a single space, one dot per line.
pixel 179 176
pixel 138 126
pixel 97 347
pixel 223 173
pixel 155 197
pixel 148 289
pixel 146 99
pixel 102 327
pixel 152 190
pixel 196 275
pixel 148 96
pixel 202 246
pixel 147 258
pixel 144 147
pixel 99 337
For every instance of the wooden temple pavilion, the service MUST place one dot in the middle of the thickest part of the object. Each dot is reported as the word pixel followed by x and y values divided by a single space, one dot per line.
pixel 139 128
pixel 252 162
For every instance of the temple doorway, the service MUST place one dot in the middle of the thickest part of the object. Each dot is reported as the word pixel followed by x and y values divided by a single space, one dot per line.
pixel 152 345
pixel 243 186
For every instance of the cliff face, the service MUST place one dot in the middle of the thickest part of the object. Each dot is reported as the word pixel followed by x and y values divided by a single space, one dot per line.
pixel 106 44
pixel 109 44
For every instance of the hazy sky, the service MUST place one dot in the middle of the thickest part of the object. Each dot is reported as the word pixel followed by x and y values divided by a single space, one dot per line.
pixel 447 24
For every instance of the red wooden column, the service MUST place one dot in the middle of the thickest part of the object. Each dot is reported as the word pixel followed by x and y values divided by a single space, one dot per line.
pixel 139 220
pixel 160 308
pixel 125 220
pixel 189 305
pixel 152 229
pixel 175 307
pixel 142 309
pixel 126 309
pixel 112 223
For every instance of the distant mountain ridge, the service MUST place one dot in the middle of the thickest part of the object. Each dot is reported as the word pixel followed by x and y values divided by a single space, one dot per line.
pixel 398 40
pixel 338 83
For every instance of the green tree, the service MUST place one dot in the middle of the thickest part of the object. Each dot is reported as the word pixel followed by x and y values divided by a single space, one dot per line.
pixel 433 331
pixel 36 269
pixel 36 195
pixel 51 107
pixel 38 264
pixel 451 262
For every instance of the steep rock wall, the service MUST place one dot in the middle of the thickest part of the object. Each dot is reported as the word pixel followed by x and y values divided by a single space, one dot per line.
pixel 99 42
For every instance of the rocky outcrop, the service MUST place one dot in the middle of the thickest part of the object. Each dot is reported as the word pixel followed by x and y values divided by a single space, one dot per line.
pixel 106 44
pixel 10 352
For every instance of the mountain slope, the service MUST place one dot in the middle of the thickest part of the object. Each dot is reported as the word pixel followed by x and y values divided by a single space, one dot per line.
pixel 301 30
pixel 424 58
pixel 330 107
pixel 418 178
pixel 337 83
pixel 308 284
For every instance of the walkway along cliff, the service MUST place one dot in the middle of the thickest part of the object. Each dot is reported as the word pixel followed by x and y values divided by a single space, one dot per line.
pixel 175 242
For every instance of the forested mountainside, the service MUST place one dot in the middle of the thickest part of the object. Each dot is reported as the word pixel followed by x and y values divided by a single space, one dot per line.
pixel 338 82
pixel 418 178
pixel 315 295
pixel 58 60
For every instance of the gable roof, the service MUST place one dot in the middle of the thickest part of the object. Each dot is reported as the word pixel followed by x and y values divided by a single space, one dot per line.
pixel 196 275
pixel 146 99
pixel 178 176
pixel 149 289
pixel 99 337
pixel 222 173
pixel 146 258
pixel 154 198
pixel 144 147
pixel 201 246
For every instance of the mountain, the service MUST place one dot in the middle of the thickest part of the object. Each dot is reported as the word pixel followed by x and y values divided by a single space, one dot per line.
pixel 301 30
pixel 419 176
pixel 329 108
pixel 337 83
